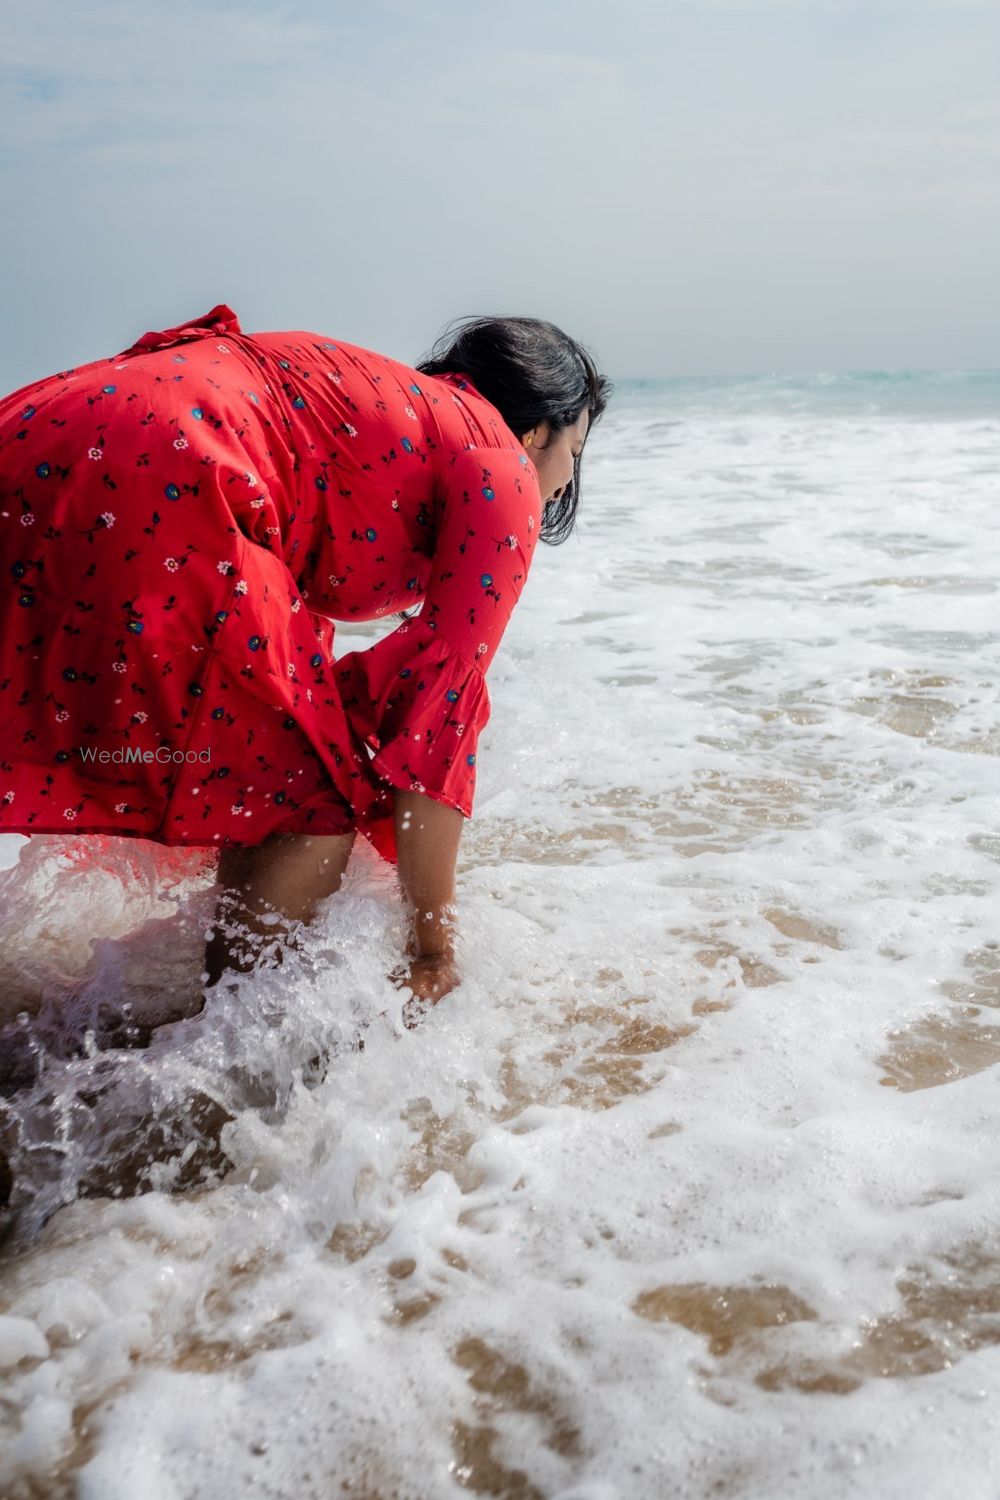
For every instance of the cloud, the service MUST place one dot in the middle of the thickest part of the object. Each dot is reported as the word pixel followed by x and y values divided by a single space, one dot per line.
pixel 657 176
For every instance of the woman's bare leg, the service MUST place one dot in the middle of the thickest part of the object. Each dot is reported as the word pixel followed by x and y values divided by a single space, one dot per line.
pixel 267 888
pixel 287 876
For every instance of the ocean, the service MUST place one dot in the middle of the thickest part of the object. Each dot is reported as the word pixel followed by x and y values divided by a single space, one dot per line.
pixel 690 1188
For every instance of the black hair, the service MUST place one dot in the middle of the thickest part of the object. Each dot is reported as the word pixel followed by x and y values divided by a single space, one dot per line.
pixel 531 372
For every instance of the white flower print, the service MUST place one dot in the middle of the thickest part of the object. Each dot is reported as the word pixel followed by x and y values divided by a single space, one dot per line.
pixel 296 606
pixel 241 587
pixel 28 519
pixel 121 807
pixel 119 666
pixel 140 716
pixel 236 809
pixel 291 669
pixel 511 540
pixel 69 812
pixel 395 505
pixel 95 453
pixel 459 728
pixel 481 648
pixel 223 566
pixel 171 564
pixel 531 523
pixel 223 349
pixel 258 503
pixel 108 517
pixel 271 530
pixel 180 442
pixel 250 479
pixel 410 412
pixel 62 716
pixel 8 796
pixel 351 431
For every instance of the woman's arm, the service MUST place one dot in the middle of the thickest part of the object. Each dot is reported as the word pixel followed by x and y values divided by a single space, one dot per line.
pixel 427 839
pixel 419 695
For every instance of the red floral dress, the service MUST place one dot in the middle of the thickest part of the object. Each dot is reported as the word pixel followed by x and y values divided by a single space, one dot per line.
pixel 181 525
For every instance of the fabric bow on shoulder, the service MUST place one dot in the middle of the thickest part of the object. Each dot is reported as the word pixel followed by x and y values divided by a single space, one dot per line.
pixel 221 320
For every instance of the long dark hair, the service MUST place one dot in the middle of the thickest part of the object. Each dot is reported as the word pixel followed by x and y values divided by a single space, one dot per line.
pixel 531 372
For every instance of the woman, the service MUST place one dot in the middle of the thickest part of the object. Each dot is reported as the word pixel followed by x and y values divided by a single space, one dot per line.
pixel 181 525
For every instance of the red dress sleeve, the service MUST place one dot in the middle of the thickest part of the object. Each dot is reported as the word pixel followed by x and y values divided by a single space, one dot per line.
pixel 419 695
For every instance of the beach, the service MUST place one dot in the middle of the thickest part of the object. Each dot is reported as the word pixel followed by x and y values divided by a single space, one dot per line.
pixel 689 1189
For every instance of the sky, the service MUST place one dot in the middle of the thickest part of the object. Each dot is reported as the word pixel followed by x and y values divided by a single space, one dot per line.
pixel 686 186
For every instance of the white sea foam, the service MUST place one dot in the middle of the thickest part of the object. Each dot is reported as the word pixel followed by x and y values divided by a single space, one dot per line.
pixel 690 1188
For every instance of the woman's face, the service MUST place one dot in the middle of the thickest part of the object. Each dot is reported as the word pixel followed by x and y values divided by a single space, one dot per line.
pixel 553 454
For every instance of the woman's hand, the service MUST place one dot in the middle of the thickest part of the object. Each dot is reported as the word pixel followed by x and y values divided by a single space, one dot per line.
pixel 430 978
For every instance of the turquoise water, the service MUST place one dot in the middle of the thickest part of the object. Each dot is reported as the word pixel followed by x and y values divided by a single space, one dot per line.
pixel 922 394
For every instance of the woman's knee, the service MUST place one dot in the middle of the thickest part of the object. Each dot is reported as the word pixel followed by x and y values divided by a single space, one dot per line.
pixel 269 891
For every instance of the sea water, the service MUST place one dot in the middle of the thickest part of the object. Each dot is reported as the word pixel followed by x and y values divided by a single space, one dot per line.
pixel 690 1189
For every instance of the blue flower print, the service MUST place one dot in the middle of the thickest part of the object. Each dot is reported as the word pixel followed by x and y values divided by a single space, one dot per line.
pixel 220 448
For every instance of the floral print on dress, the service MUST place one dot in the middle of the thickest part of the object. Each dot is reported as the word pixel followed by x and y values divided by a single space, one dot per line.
pixel 182 524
